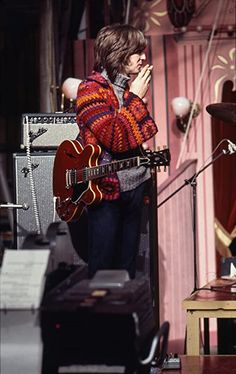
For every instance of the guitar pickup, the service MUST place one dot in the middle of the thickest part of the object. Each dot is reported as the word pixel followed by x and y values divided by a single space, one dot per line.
pixel 68 179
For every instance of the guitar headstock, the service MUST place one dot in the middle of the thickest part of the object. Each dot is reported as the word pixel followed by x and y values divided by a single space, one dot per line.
pixel 158 158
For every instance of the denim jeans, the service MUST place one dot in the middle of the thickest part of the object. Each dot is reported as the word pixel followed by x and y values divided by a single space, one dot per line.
pixel 114 232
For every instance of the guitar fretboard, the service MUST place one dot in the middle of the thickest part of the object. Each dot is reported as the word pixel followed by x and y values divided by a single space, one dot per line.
pixel 74 176
pixel 106 169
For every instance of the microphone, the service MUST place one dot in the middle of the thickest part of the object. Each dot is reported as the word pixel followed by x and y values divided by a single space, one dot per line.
pixel 15 206
pixel 231 147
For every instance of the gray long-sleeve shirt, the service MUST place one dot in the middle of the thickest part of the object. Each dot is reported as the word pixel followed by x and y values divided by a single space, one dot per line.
pixel 129 178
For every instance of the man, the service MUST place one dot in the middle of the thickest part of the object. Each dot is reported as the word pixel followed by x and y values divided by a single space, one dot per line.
pixel 111 113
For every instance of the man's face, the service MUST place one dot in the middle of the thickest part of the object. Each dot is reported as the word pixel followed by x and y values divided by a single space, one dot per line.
pixel 135 63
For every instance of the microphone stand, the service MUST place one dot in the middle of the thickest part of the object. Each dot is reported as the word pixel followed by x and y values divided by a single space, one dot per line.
pixel 193 183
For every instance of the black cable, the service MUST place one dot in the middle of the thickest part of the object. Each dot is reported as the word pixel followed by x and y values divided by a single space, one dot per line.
pixel 218 289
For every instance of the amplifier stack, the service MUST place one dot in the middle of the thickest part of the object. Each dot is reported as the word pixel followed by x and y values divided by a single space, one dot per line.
pixel 41 134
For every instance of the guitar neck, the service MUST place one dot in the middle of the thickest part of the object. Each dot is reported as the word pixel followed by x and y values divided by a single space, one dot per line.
pixel 110 168
pixel 76 176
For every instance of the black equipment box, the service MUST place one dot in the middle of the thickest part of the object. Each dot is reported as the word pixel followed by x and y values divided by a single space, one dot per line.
pixel 226 327
pixel 82 325
pixel 47 130
pixel 225 265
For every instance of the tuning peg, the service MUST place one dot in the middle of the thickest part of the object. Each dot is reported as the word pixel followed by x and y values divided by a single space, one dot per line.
pixel 158 169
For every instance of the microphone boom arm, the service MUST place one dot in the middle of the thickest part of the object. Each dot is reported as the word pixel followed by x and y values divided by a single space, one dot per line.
pixel 193 183
pixel 193 178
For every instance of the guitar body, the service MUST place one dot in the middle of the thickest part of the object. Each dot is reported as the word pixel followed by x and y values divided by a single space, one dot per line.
pixel 71 200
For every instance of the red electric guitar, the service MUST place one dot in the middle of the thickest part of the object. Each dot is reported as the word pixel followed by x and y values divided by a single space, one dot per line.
pixel 76 170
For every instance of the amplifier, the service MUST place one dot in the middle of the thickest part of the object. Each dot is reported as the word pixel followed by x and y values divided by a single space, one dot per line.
pixel 47 130
pixel 42 169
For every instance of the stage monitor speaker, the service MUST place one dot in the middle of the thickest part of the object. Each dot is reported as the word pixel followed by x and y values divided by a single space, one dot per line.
pixel 26 219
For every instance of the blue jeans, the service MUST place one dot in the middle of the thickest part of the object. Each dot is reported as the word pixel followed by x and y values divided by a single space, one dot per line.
pixel 114 232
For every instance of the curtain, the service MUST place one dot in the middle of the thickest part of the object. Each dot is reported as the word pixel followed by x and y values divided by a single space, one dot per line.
pixel 59 24
pixel 47 66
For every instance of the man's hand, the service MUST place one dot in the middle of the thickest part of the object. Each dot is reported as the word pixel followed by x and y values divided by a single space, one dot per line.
pixel 140 84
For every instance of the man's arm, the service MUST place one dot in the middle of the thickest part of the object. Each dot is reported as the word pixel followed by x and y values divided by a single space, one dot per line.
pixel 118 130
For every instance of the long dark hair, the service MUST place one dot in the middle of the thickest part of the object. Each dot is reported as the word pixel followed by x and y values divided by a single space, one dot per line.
pixel 114 45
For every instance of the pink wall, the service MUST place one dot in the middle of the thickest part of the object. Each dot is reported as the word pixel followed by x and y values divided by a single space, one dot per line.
pixel 178 60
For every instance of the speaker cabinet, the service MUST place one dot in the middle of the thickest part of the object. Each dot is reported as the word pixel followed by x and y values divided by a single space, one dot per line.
pixel 37 195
